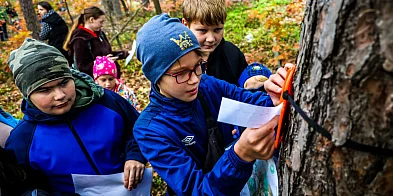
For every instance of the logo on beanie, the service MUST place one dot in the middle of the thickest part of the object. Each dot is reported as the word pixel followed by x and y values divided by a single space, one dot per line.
pixel 184 42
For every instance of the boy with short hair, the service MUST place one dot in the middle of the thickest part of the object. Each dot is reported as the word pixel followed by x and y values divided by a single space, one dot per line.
pixel 71 125
pixel 206 19
pixel 178 132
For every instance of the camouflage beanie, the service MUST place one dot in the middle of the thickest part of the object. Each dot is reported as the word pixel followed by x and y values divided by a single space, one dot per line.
pixel 35 64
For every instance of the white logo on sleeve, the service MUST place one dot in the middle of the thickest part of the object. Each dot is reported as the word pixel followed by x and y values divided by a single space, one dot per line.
pixel 189 140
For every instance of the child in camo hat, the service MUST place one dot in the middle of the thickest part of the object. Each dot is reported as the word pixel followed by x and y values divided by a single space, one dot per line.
pixel 71 125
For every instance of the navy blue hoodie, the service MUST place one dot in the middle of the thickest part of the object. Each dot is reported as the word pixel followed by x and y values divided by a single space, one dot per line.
pixel 46 143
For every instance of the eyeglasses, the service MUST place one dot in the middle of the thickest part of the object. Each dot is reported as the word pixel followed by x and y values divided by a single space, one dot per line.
pixel 184 76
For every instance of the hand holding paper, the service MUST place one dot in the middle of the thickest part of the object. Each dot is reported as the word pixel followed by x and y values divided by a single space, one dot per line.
pixel 246 115
pixel 257 141
pixel 95 185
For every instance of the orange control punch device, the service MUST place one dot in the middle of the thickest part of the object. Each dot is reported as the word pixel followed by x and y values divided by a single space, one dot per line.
pixel 285 107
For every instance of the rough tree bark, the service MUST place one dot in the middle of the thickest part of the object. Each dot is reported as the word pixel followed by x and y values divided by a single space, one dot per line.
pixel 30 18
pixel 344 81
pixel 113 7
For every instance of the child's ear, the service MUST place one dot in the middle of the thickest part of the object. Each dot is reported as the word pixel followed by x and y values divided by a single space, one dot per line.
pixel 91 19
pixel 184 21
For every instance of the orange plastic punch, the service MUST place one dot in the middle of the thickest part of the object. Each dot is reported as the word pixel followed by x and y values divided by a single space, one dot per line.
pixel 285 107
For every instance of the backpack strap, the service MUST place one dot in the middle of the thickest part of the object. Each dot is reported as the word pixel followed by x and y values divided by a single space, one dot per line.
pixel 215 145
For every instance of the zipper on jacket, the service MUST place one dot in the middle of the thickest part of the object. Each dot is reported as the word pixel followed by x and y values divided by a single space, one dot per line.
pixel 199 121
pixel 83 147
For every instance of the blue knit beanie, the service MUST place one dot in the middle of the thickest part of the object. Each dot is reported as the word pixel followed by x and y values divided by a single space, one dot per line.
pixel 160 43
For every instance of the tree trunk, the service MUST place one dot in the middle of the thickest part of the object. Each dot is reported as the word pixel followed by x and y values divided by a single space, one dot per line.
pixel 31 19
pixel 113 7
pixel 344 82
pixel 157 6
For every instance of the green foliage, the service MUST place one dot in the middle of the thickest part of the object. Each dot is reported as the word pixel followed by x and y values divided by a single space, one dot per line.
pixel 159 186
pixel 273 28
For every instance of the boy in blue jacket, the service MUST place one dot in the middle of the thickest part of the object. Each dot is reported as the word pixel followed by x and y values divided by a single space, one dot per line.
pixel 71 125
pixel 178 132
pixel 206 19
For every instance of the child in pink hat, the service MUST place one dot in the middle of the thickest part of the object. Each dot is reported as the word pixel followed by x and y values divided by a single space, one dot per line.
pixel 105 72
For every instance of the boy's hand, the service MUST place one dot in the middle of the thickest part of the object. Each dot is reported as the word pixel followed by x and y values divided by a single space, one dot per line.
pixel 257 143
pixel 275 83
pixel 255 82
pixel 133 173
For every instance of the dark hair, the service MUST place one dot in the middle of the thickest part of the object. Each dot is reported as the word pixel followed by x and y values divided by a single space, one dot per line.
pixel 87 13
pixel 45 5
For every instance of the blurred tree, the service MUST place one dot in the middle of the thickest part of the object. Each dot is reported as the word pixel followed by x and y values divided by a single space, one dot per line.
pixel 113 7
pixel 30 17
pixel 157 6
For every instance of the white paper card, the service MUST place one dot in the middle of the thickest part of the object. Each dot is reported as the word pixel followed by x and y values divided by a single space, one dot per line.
pixel 246 115
pixel 95 185
pixel 133 49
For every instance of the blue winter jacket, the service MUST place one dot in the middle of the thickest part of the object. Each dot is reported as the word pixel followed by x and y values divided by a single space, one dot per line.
pixel 7 118
pixel 47 144
pixel 172 135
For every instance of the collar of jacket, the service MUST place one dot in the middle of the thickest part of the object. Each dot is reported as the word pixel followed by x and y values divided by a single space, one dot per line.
pixel 88 30
pixel 50 12
pixel 218 50
pixel 172 105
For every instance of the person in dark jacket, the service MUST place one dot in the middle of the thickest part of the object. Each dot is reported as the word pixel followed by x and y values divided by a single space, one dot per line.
pixel 206 19
pixel 176 131
pixel 71 125
pixel 54 29
pixel 14 179
pixel 86 41
pixel 4 19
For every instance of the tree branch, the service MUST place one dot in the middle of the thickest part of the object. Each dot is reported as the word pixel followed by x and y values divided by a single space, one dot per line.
pixel 126 24
pixel 68 11
pixel 114 30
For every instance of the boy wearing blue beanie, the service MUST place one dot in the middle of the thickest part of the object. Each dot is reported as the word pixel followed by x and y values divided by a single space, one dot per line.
pixel 178 132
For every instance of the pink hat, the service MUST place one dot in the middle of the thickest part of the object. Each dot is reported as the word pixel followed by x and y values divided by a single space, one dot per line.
pixel 103 65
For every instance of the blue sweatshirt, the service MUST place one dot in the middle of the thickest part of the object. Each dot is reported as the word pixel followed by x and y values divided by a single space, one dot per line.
pixel 172 135
pixel 46 143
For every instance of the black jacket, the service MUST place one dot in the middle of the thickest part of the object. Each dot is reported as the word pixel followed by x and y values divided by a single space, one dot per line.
pixel 14 179
pixel 58 34
pixel 226 62
pixel 59 30
pixel 85 48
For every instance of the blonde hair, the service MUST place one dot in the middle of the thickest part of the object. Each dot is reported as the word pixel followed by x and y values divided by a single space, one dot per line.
pixel 207 12
pixel 89 12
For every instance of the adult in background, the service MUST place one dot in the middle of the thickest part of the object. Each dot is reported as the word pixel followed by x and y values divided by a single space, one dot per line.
pixel 54 29
pixel 86 41
pixel 3 24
